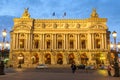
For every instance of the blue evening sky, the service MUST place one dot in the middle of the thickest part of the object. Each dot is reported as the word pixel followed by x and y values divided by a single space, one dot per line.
pixel 75 9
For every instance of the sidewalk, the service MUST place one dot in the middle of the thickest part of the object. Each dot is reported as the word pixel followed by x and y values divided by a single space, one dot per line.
pixel 42 75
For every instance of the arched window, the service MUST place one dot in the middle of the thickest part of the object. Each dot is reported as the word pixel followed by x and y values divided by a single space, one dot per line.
pixel 97 43
pixel 22 43
pixel 48 44
pixel 71 44
pixel 47 59
pixel 83 44
pixel 36 44
pixel 60 44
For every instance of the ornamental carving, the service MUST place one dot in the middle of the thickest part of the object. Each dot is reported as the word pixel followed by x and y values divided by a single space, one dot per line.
pixel 54 25
pixel 66 25
pixel 78 26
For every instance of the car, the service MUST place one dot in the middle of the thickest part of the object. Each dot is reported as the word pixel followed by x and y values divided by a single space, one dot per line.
pixel 90 67
pixel 103 67
pixel 81 66
pixel 41 66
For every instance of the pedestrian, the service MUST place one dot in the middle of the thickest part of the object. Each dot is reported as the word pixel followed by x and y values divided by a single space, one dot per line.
pixel 73 67
pixel 109 70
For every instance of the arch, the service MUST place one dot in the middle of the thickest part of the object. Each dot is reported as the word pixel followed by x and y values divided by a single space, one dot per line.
pixel 35 59
pixel 84 58
pixel 59 58
pixel 47 58
pixel 20 58
pixel 71 58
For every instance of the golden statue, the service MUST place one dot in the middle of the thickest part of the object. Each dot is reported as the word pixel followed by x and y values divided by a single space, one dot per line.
pixel 26 14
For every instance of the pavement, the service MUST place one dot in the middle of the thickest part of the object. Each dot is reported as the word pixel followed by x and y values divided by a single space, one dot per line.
pixel 55 74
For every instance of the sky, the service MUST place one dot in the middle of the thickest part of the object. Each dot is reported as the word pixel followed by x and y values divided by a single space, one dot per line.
pixel 75 9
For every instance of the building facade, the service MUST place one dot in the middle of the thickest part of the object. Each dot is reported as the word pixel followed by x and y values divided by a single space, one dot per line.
pixel 59 41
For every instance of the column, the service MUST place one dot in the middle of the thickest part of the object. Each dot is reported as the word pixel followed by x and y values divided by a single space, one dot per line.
pixel 43 58
pixel 65 58
pixel 102 42
pixel 40 41
pixel 13 41
pixel 93 37
pixel 55 41
pixel 52 41
pixel 78 41
pixel 17 41
pixel 105 41
pixel 52 58
pixel 31 41
pixel 43 41
pixel 89 41
pixel 67 41
pixel 28 41
pixel 64 40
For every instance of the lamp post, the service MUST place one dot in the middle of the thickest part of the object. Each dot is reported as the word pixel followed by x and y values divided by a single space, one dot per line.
pixel 4 33
pixel 116 67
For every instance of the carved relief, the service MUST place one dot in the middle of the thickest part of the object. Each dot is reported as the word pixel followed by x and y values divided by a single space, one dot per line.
pixel 43 25
pixel 21 27
pixel 66 25
pixel 78 26
pixel 97 27
pixel 54 25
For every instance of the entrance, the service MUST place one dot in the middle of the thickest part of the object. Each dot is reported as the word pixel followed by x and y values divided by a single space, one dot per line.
pixel 71 58
pixel 59 59
pixel 47 59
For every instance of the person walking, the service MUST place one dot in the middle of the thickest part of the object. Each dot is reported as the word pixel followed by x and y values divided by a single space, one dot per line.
pixel 109 70
pixel 73 67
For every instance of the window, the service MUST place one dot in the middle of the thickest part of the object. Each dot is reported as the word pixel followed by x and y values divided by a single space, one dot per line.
pixel 21 43
pixel 71 44
pixel 60 44
pixel 36 44
pixel 48 44
pixel 97 44
pixel 83 44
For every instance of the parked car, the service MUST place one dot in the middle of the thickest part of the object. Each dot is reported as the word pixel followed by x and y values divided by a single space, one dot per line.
pixel 91 67
pixel 81 66
pixel 41 66
pixel 103 67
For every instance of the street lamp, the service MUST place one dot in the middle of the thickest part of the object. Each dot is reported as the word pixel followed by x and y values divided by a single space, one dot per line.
pixel 116 67
pixel 4 33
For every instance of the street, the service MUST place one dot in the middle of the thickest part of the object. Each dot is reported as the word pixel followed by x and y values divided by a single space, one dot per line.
pixel 55 74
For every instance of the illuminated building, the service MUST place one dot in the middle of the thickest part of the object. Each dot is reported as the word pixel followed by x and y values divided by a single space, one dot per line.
pixel 59 41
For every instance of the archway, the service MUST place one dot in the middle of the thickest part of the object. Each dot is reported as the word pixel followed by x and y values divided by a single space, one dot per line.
pixel 59 58
pixel 35 59
pixel 71 58
pixel 20 58
pixel 48 59
pixel 84 58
